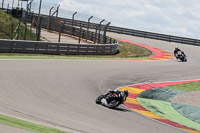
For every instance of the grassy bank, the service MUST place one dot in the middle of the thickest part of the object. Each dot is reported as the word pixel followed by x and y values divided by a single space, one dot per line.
pixel 28 125
pixel 194 86
pixel 127 50
pixel 6 22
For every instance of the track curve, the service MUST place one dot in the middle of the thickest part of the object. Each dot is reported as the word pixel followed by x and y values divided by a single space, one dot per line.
pixel 62 93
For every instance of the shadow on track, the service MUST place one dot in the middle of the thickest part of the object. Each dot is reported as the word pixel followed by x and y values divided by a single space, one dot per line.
pixel 121 109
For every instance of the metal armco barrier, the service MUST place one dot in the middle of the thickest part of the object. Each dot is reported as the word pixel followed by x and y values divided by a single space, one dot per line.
pixel 138 33
pixel 16 46
pixel 152 35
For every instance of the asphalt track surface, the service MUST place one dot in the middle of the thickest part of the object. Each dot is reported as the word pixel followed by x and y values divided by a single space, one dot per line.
pixel 62 93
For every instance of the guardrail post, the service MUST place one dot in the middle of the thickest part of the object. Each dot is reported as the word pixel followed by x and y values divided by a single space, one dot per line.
pixel 60 31
pixel 88 27
pixel 49 18
pixel 7 7
pixel 38 22
pixel 21 4
pixel 12 27
pixel 195 42
pixel 12 4
pixel 133 32
pixel 2 3
pixel 100 30
pixel 95 35
pixel 104 35
pixel 29 6
pixel 18 29
pixel 80 34
pixel 57 10
pixel 72 23
pixel 32 21
pixel 25 20
pixel 58 46
pixel 39 30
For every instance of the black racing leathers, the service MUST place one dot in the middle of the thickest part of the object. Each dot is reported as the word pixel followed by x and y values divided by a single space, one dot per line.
pixel 176 52
pixel 117 95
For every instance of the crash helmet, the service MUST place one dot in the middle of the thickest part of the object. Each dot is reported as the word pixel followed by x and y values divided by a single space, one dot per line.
pixel 176 47
pixel 126 92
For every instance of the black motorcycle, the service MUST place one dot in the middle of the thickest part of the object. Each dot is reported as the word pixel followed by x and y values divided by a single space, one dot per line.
pixel 181 56
pixel 112 102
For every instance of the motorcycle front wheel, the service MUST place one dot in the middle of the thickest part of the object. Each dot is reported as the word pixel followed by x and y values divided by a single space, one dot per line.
pixel 98 100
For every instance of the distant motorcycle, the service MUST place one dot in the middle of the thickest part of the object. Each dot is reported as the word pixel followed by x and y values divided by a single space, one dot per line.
pixel 181 56
pixel 112 99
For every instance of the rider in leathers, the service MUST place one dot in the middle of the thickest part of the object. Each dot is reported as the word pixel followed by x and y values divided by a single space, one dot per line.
pixel 120 96
pixel 176 52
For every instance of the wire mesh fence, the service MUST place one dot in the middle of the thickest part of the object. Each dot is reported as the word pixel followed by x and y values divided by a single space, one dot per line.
pixel 50 10
pixel 45 8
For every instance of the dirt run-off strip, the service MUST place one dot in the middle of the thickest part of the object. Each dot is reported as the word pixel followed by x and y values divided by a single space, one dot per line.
pixel 154 100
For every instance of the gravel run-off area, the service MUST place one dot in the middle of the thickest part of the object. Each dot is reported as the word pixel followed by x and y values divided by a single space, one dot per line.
pixel 189 98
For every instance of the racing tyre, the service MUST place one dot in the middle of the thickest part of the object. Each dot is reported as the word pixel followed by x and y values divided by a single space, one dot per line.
pixel 185 59
pixel 98 100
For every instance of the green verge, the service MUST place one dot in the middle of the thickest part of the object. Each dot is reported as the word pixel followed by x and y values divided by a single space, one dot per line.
pixel 126 51
pixel 161 94
pixel 6 22
pixel 193 86
pixel 191 112
pixel 165 110
pixel 6 120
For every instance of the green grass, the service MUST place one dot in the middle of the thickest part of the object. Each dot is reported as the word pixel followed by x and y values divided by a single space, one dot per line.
pixel 127 50
pixel 28 125
pixel 6 22
pixel 193 86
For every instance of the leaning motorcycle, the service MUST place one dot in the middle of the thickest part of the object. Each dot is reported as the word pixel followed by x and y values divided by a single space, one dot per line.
pixel 182 57
pixel 111 103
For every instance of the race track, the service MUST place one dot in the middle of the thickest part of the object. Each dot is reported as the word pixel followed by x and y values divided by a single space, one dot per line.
pixel 62 93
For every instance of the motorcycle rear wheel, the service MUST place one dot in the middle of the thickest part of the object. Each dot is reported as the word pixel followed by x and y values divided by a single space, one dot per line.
pixel 113 104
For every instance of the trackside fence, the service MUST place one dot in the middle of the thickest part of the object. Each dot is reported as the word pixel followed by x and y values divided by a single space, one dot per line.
pixel 38 47
pixel 51 23
pixel 71 27
pixel 72 24
pixel 119 30
pixel 152 35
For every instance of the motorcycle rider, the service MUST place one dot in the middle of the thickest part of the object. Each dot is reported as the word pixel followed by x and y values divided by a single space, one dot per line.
pixel 176 52
pixel 119 96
